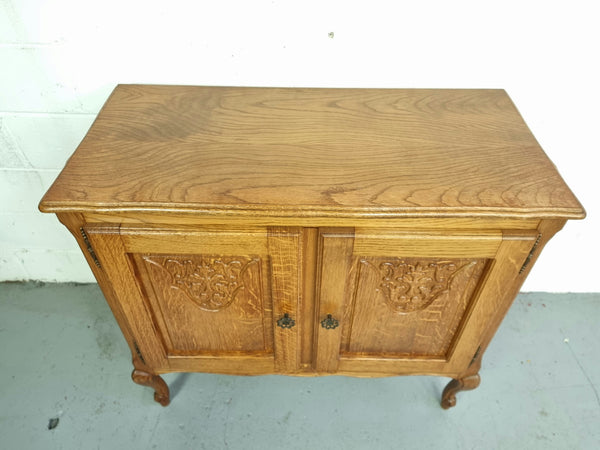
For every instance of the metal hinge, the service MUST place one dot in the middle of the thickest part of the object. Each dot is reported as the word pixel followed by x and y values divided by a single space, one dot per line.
pixel 475 356
pixel 137 350
pixel 528 260
pixel 89 247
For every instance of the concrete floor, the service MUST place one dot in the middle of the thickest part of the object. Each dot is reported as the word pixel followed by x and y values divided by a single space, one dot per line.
pixel 62 356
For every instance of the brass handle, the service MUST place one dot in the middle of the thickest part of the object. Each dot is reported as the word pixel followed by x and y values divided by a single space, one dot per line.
pixel 286 321
pixel 330 323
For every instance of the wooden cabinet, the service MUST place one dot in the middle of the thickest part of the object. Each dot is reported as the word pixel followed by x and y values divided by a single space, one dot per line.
pixel 310 231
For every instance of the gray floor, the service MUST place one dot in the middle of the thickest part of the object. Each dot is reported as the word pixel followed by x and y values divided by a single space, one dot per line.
pixel 62 356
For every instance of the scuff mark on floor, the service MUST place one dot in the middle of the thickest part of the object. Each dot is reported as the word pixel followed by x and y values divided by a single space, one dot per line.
pixel 53 423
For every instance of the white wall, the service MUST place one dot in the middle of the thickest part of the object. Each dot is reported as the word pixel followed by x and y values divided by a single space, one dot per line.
pixel 60 59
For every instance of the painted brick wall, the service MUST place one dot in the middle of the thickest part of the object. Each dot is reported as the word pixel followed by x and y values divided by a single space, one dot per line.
pixel 59 61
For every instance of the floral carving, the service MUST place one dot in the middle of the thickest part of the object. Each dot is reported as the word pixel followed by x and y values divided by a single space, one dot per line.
pixel 211 282
pixel 413 286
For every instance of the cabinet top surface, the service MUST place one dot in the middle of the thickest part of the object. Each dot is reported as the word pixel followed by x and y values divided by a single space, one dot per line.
pixel 292 151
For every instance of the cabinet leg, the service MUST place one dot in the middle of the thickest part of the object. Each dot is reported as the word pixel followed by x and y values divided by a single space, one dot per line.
pixel 161 390
pixel 457 385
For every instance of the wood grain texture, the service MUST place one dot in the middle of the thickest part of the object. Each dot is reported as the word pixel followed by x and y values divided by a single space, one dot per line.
pixel 117 267
pixel 209 304
pixel 311 152
pixel 440 336
pixel 436 244
pixel 409 307
pixel 242 364
pixel 507 293
pixel 285 251
pixel 200 239
pixel 204 218
pixel 493 298
pixel 310 250
pixel 335 262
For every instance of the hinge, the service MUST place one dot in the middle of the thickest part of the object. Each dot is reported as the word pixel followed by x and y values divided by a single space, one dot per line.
pixel 89 247
pixel 528 260
pixel 475 356
pixel 137 350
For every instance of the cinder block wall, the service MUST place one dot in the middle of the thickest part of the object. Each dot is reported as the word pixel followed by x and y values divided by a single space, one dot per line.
pixel 59 61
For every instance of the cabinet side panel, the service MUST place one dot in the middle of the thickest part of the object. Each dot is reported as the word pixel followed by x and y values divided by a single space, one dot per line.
pixel 116 264
pixel 75 222
pixel 493 300
pixel 514 261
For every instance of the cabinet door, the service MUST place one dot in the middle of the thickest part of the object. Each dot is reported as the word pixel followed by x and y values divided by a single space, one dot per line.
pixel 206 299
pixel 411 302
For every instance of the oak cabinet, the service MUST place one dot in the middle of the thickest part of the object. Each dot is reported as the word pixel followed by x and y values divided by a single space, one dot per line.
pixel 310 231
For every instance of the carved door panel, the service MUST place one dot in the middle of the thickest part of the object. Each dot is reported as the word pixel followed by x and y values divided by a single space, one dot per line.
pixel 207 299
pixel 405 301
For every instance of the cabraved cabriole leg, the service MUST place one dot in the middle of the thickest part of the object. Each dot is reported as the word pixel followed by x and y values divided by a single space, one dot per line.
pixel 457 385
pixel 161 390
